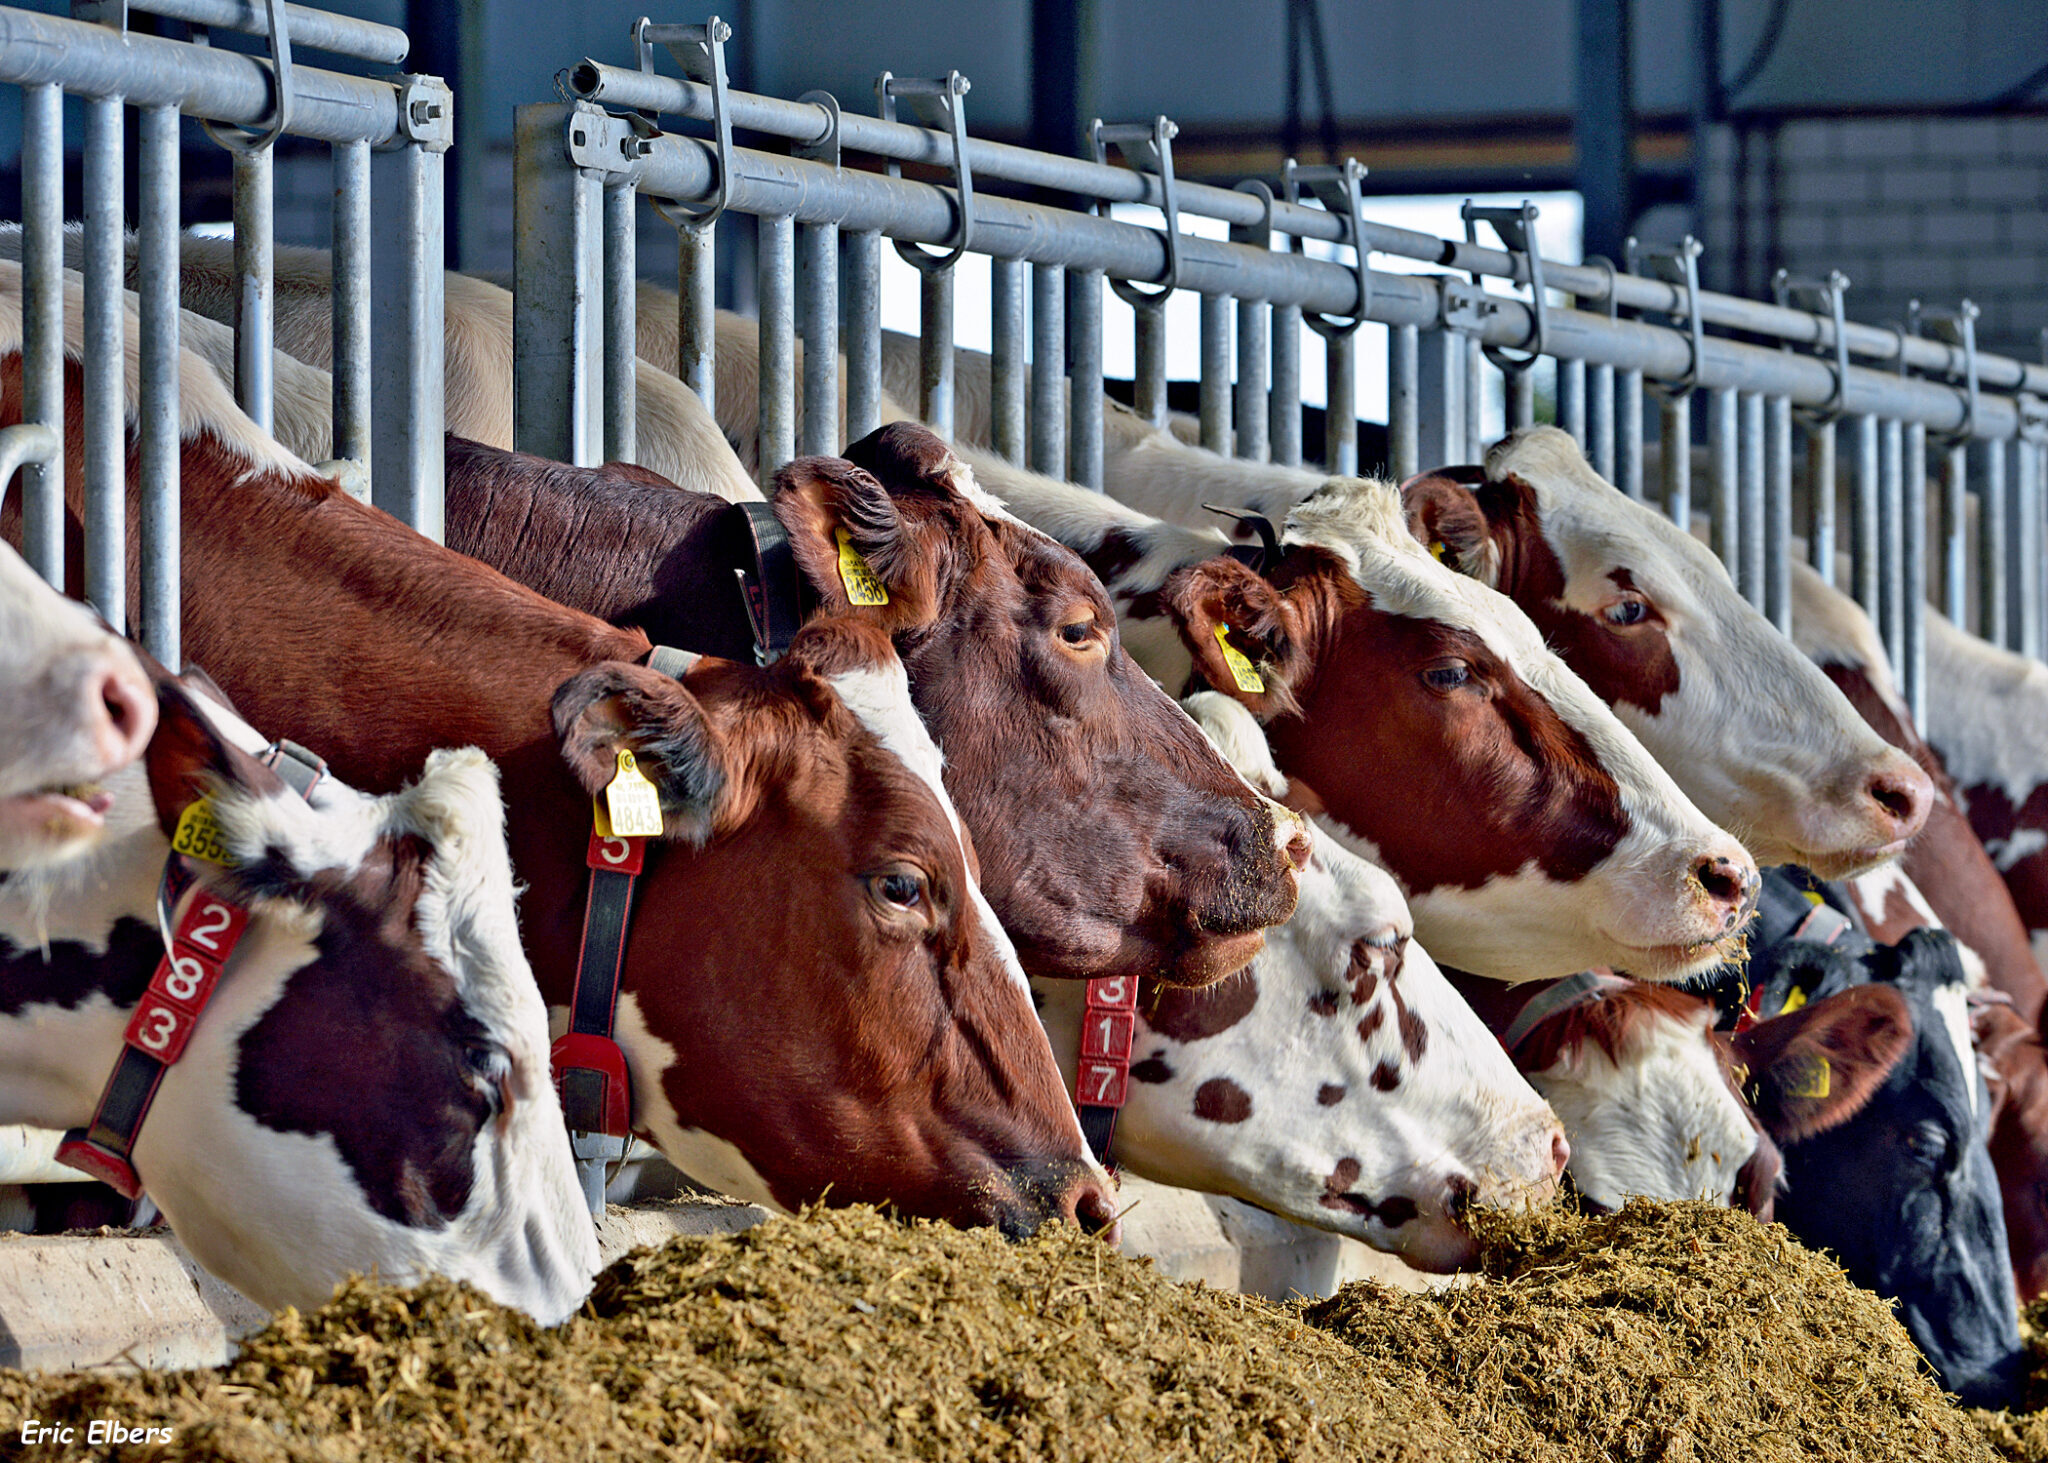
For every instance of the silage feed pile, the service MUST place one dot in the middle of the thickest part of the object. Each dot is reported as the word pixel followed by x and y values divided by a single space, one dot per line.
pixel 1668 1332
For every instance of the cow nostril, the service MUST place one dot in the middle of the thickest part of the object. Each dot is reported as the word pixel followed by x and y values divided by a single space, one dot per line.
pixel 1726 884
pixel 1092 1207
pixel 1299 848
pixel 130 716
pixel 1897 797
pixel 1560 1152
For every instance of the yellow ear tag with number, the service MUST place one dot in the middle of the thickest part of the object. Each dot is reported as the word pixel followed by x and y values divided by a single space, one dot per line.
pixel 1241 670
pixel 199 834
pixel 631 804
pixel 1811 1078
pixel 862 587
pixel 1438 549
pixel 1792 1003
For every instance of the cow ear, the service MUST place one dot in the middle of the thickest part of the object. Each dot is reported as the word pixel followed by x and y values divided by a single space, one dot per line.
pixel 905 453
pixel 615 707
pixel 858 551
pixel 1816 1068
pixel 189 759
pixel 1249 640
pixel 1447 519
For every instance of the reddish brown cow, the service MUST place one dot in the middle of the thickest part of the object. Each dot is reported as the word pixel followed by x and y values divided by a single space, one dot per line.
pixel 1113 839
pixel 813 995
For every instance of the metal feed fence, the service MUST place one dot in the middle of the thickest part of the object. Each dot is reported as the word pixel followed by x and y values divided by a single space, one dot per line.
pixel 1768 372
pixel 387 301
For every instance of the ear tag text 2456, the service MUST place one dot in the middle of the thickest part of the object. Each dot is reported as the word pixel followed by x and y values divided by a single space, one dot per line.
pixel 862 587
pixel 631 803
pixel 1241 669
pixel 199 834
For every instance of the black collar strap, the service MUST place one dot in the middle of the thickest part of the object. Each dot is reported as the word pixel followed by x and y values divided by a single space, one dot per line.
pixel 770 584
pixel 1267 554
pixel 1102 1079
pixel 1565 995
pixel 673 663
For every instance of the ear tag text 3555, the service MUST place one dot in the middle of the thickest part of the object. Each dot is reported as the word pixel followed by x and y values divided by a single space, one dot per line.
pixel 862 587
pixel 1241 670
pixel 199 834
pixel 631 803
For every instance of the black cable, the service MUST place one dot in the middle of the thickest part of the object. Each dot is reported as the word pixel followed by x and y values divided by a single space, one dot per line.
pixel 1760 55
pixel 2013 95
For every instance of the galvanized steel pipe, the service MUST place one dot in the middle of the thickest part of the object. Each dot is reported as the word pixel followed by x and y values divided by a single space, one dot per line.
pixel 106 355
pixel 860 286
pixel 775 257
pixel 1048 369
pixel 1007 357
pixel 156 286
pixel 352 382
pixel 42 323
pixel 1084 378
pixel 817 320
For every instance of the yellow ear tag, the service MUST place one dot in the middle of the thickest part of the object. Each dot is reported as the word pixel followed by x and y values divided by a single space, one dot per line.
pixel 1241 670
pixel 199 834
pixel 1811 1080
pixel 862 587
pixel 1438 549
pixel 1792 1003
pixel 632 804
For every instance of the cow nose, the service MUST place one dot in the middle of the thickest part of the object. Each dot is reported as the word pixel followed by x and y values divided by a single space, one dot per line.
pixel 1089 1203
pixel 1730 886
pixel 1299 847
pixel 121 712
pixel 1902 795
pixel 1560 1153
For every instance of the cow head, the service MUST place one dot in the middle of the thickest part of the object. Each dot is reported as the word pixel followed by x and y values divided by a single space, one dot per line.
pixel 1749 727
pixel 2016 1075
pixel 368 1089
pixel 79 709
pixel 1394 1113
pixel 1875 1098
pixel 1115 841
pixel 816 997
pixel 1531 833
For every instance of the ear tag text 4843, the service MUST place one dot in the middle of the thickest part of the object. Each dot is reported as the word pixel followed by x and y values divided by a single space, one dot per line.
pixel 631 804
pixel 199 834
pixel 862 587
pixel 1241 670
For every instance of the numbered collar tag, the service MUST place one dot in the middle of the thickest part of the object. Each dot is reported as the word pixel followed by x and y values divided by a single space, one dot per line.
pixel 862 587
pixel 1241 670
pixel 631 805
pixel 199 835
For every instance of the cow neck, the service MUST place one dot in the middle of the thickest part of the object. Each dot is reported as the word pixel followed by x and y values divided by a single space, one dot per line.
pixel 197 944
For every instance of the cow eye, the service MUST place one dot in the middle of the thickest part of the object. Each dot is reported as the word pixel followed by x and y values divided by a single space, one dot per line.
pixel 1448 676
pixel 1626 612
pixel 1928 1144
pixel 1077 632
pixel 901 888
pixel 488 1070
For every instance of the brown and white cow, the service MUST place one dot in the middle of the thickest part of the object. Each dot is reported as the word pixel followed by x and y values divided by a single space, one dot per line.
pixel 1338 1080
pixel 813 997
pixel 1142 853
pixel 1531 834
pixel 1749 727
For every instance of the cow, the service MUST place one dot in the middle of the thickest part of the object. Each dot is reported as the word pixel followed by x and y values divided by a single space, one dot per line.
pixel 367 1089
pixel 1338 1080
pixel 806 934
pixel 676 435
pixel 1873 1095
pixel 1530 833
pixel 1146 855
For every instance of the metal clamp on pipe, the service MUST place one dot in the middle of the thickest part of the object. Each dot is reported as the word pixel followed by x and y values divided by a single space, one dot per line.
pixel 1148 146
pixel 948 93
pixel 1681 267
pixel 1517 236
pixel 1959 327
pixel 700 51
pixel 238 139
pixel 1787 287
pixel 1336 187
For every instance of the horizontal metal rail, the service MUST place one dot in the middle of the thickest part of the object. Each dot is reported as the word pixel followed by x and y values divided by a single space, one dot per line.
pixel 321 30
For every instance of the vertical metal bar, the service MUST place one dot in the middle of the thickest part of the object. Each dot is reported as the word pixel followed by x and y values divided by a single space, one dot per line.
pixel 1251 407
pixel 1994 542
pixel 1518 392
pixel 410 342
pixel 776 271
pixel 1750 433
pixel 1571 399
pixel 697 311
pixel 1777 513
pixel 1891 540
pixel 935 349
pixel 1866 556
pixel 621 327
pixel 106 436
pixel 1440 399
pixel 1675 418
pixel 1475 396
pixel 1006 366
pixel 1820 509
pixel 860 288
pixel 157 297
pixel 1724 490
pixel 1284 419
pixel 351 304
pixel 1084 387
pixel 557 350
pixel 1215 391
pixel 255 291
pixel 1340 417
pixel 817 319
pixel 1913 552
pixel 2029 542
pixel 1628 433
pixel 1955 546
pixel 1404 435
pixel 1600 420
pixel 42 343
pixel 1048 369
pixel 1148 388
